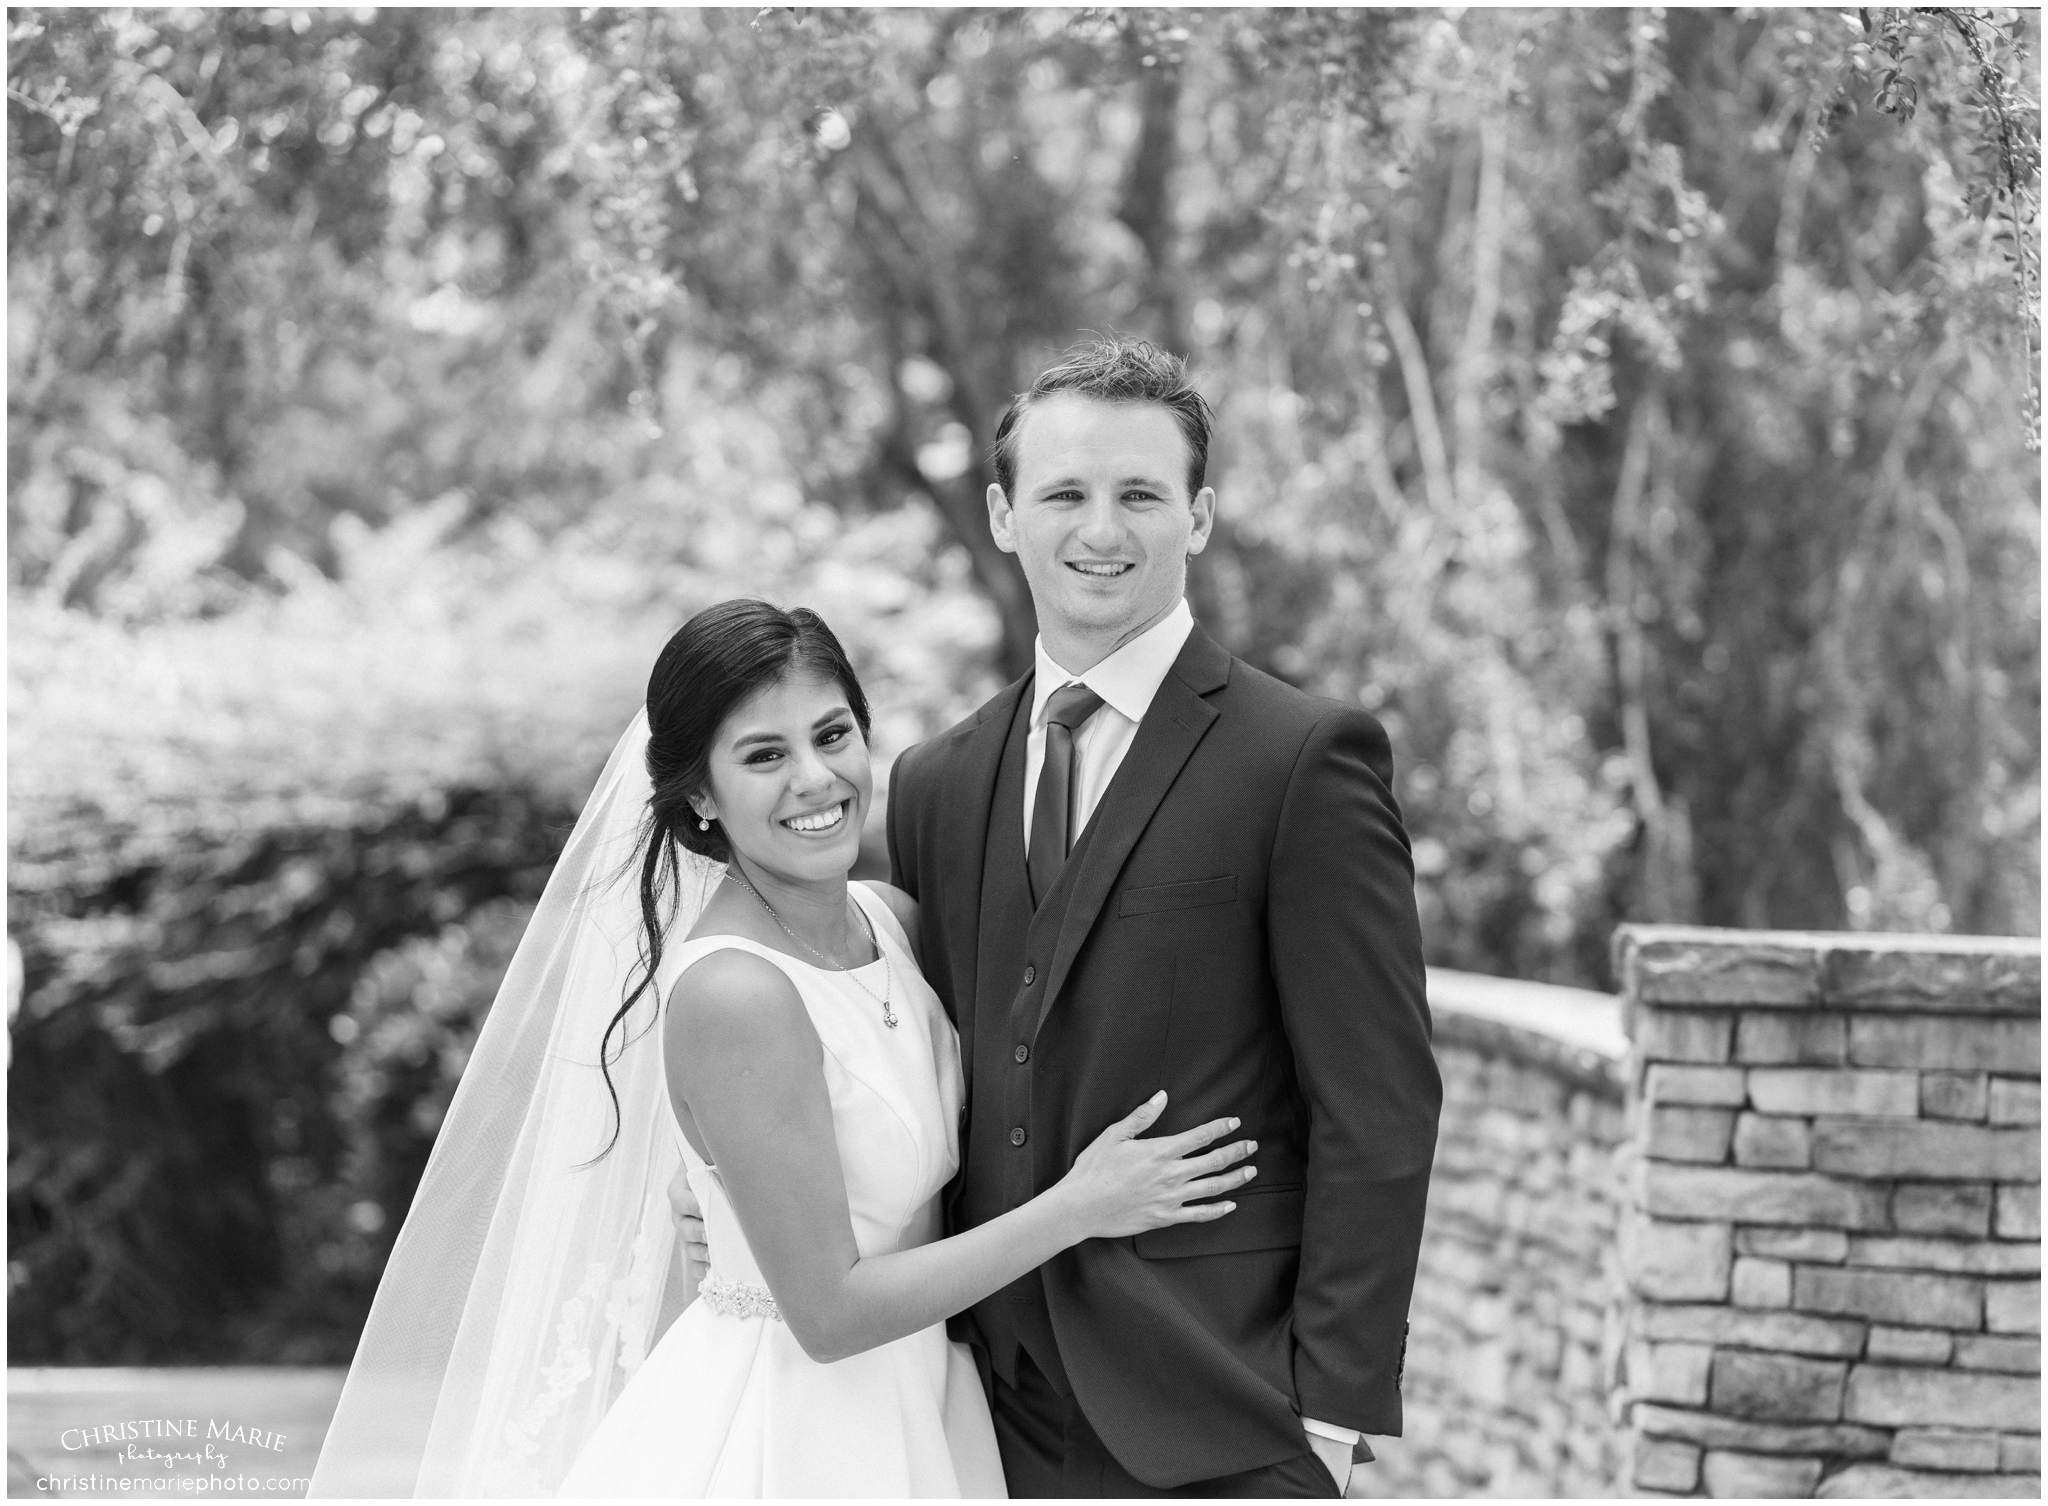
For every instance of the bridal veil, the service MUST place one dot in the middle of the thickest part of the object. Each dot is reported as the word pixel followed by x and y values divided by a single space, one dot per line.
pixel 529 1279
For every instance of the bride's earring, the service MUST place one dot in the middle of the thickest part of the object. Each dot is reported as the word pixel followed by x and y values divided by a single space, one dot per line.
pixel 702 824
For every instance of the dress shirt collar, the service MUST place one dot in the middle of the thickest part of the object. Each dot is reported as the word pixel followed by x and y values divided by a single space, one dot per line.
pixel 1128 678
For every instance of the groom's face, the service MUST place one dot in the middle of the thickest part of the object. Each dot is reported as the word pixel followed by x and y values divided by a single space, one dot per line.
pixel 1101 519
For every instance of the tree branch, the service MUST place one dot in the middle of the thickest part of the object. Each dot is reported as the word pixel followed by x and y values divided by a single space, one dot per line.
pixel 1474 364
pixel 1429 434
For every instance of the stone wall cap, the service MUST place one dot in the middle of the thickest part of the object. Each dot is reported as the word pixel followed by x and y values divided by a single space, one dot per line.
pixel 1867 941
pixel 1574 1033
pixel 1715 967
pixel 1577 1016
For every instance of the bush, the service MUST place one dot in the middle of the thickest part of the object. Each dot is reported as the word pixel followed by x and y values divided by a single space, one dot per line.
pixel 267 869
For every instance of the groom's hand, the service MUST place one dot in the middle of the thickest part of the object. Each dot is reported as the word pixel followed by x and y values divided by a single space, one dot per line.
pixel 690 1224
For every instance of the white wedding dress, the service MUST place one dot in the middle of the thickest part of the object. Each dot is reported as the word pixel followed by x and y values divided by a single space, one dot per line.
pixel 727 1403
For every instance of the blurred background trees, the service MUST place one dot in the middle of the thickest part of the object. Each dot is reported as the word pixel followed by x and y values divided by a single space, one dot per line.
pixel 1636 410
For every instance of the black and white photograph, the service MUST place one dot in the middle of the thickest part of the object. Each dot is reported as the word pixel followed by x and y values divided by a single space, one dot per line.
pixel 1045 752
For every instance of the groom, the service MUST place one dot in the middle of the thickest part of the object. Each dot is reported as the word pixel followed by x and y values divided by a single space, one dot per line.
pixel 1147 864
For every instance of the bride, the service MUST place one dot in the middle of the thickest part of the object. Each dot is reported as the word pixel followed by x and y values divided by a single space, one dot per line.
pixel 701 987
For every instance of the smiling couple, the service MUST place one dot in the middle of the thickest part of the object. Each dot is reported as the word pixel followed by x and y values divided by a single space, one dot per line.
pixel 1088 1156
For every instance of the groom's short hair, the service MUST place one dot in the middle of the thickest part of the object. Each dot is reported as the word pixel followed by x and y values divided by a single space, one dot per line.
pixel 1113 368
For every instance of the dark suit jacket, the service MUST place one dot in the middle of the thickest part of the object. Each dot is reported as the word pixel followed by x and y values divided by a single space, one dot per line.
pixel 1239 927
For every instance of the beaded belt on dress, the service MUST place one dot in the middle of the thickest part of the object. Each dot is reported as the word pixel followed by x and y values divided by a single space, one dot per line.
pixel 738 1299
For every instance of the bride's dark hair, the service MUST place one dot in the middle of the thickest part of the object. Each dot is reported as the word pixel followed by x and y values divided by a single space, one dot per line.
pixel 714 662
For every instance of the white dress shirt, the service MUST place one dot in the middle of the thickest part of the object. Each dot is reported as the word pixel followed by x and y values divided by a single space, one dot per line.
pixel 1126 680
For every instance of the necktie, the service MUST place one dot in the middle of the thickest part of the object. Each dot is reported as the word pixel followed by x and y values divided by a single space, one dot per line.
pixel 1052 817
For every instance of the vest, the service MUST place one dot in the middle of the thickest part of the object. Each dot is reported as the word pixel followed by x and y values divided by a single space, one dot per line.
pixel 1007 1160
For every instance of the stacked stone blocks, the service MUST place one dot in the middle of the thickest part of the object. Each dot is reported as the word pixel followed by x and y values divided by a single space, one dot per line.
pixel 1510 1350
pixel 1832 1241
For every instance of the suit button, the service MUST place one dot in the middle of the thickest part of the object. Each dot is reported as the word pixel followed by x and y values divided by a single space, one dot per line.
pixel 1017 1135
pixel 1023 1055
pixel 1030 975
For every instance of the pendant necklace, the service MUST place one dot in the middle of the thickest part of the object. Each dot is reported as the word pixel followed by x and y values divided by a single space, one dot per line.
pixel 888 972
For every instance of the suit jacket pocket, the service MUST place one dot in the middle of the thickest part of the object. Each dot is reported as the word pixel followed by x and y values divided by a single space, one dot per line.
pixel 1211 891
pixel 1267 1218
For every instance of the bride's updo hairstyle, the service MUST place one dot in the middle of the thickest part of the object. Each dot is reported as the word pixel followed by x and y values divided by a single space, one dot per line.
pixel 712 665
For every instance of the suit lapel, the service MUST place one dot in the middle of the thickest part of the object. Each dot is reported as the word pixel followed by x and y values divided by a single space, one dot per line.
pixel 965 807
pixel 1175 723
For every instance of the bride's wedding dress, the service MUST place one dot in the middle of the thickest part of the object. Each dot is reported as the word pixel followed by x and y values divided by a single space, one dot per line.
pixel 511 1350
pixel 727 1403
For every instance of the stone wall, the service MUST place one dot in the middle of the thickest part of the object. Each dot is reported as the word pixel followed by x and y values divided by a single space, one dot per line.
pixel 1510 1353
pixel 1832 1241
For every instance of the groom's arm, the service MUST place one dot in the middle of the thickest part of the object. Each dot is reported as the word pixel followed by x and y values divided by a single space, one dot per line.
pixel 1346 952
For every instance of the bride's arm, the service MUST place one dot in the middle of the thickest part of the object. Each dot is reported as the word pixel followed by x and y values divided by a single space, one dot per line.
pixel 747 1069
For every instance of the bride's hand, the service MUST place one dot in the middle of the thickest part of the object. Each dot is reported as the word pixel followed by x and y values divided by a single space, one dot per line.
pixel 1123 1185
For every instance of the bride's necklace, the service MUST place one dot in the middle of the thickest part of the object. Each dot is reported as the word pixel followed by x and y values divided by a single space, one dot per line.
pixel 888 972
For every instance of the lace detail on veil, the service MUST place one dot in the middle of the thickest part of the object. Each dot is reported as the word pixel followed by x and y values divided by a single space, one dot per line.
pixel 631 1309
pixel 512 1473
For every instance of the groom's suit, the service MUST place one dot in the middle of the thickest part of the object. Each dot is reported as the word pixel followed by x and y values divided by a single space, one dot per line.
pixel 1236 923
